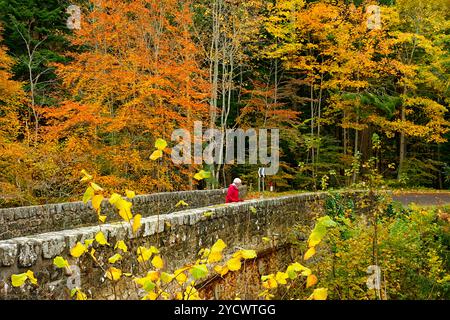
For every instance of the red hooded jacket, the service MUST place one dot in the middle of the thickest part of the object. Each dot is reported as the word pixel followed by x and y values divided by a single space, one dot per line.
pixel 233 194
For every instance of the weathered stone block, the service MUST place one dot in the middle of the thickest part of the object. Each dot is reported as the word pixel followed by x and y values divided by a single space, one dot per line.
pixel 52 245
pixel 29 251
pixel 149 228
pixel 8 254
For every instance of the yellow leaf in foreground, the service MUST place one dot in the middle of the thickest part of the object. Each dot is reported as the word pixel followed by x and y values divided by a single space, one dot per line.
pixel 204 253
pixel 218 246
pixel 179 296
pixel 157 262
pixel 113 274
pixel 96 187
pixel 146 283
pixel 130 194
pixel 166 277
pixel 86 175
pixel 154 250
pixel 78 250
pixel 156 155
pixel 269 282
pixel 114 198
pixel 311 280
pixel 150 296
pixel 191 294
pixel 80 295
pixel 181 203
pixel 296 267
pixel 90 192
pixel 100 238
pixel 222 270
pixel 214 256
pixel 319 294
pixel 97 201
pixel 153 275
pixel 281 277
pixel 181 278
pixel 18 280
pixel 60 262
pixel 202 175
pixel 30 276
pixel 234 264
pixel 160 144
pixel 124 209
pixel 248 254
pixel 92 254
pixel 310 253
pixel 137 223
pixel 121 245
pixel 315 238
pixel 115 258
pixel 306 272
pixel 143 254
pixel 198 177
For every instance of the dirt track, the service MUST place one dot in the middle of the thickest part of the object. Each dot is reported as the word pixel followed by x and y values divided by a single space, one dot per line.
pixel 423 198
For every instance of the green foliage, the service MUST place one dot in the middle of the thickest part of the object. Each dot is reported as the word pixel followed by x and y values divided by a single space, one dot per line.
pixel 416 172
pixel 387 104
pixel 410 246
pixel 337 205
pixel 308 175
pixel 43 25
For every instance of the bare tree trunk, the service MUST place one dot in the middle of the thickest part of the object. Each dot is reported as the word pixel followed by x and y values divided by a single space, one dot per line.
pixel 313 158
pixel 402 153
pixel 214 71
pixel 402 144
pixel 33 79
pixel 355 152
pixel 319 115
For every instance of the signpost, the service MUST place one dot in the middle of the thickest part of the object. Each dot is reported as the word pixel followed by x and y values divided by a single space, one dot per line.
pixel 261 174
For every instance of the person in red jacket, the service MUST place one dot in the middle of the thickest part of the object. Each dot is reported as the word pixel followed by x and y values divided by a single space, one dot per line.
pixel 233 191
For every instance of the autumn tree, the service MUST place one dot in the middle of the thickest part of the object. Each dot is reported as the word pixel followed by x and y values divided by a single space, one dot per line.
pixel 35 36
pixel 416 34
pixel 135 79
pixel 226 32
pixel 348 74
pixel 12 100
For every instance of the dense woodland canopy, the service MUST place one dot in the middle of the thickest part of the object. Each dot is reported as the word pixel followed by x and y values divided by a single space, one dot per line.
pixel 97 98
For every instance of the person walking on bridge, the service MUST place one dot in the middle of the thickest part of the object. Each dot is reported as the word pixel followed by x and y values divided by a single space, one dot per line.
pixel 233 191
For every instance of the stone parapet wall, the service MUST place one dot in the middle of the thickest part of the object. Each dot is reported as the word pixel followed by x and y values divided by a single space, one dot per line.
pixel 24 221
pixel 178 235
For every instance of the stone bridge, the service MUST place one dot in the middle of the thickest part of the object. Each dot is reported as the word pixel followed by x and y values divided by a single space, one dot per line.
pixel 30 237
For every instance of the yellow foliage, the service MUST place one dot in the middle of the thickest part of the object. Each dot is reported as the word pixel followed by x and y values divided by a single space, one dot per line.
pixel 78 250
pixel 311 280
pixel 234 264
pixel 157 262
pixel 101 239
pixel 308 254
pixel 113 274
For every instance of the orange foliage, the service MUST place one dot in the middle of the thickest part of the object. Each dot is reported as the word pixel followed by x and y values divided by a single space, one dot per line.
pixel 136 79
